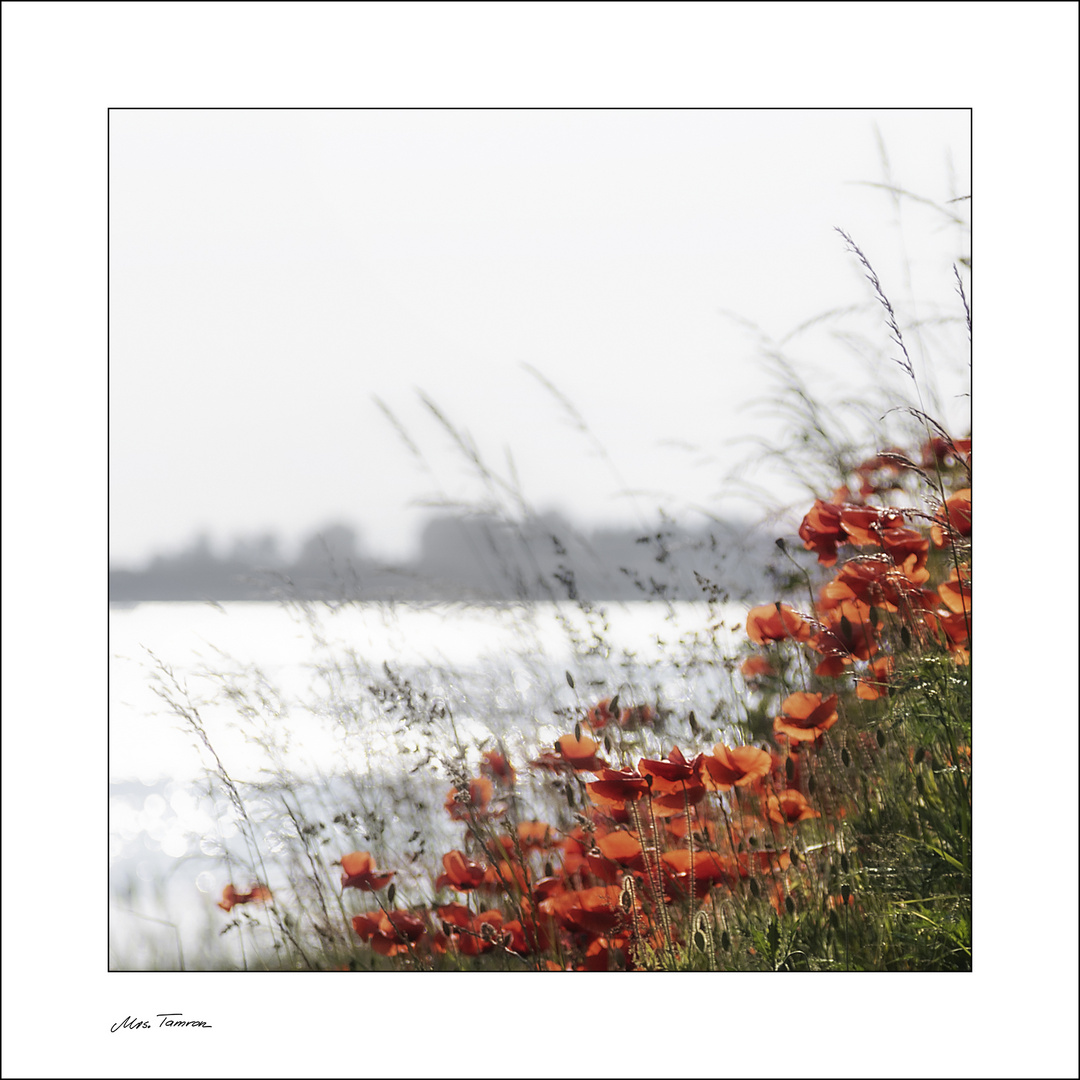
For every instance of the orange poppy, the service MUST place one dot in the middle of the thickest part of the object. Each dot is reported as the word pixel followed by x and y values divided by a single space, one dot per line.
pixel 502 875
pixel 754 667
pixel 360 873
pixel 956 592
pixel 600 715
pixel 909 550
pixel 580 753
pixel 459 807
pixel 535 836
pixel 806 717
pixel 846 633
pixel 709 867
pixel 675 769
pixel 789 807
pixel 390 933
pixel 954 625
pixel 674 782
pixel 821 531
pixel 724 768
pixel 939 451
pixel 471 934
pixel 872 580
pixel 595 909
pixel 259 894
pixel 864 524
pixel 623 848
pixel 616 787
pixel 875 683
pixel 496 766
pixel 953 519
pixel 770 622
pixel 461 873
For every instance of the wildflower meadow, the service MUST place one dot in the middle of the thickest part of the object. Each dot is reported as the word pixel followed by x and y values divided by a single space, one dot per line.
pixel 816 815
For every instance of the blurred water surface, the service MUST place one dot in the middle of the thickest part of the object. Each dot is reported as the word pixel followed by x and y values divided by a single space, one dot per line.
pixel 353 710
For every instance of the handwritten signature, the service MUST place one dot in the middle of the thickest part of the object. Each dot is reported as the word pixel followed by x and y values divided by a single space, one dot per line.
pixel 170 1020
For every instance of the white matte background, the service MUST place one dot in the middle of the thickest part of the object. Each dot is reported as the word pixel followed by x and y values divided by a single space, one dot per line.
pixel 64 64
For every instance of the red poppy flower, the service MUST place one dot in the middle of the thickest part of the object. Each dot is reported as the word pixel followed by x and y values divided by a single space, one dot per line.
pixel 616 787
pixel 754 667
pixel 497 767
pixel 360 873
pixel 461 873
pixel 724 768
pixel 846 633
pixel 675 782
pixel 675 769
pixel 768 623
pixel 390 933
pixel 595 909
pixel 528 938
pixel 580 753
pixel 953 519
pixel 555 763
pixel 909 550
pixel 806 717
pixel 623 848
pixel 875 683
pixel 480 792
pixel 471 934
pixel 872 580
pixel 864 524
pixel 709 867
pixel 259 894
pixel 535 836
pixel 956 592
pixel 789 807
pixel 942 451
pixel 955 626
pixel 821 531
pixel 502 875
pixel 600 715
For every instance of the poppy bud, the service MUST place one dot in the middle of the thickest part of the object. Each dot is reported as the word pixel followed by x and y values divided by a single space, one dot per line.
pixel 920 754
pixel 844 864
pixel 789 904
pixel 570 680
pixel 613 705
pixel 880 735
pixel 845 756
pixel 845 892
pixel 725 941
pixel 391 893
pixel 577 731
pixel 755 888
pixel 905 637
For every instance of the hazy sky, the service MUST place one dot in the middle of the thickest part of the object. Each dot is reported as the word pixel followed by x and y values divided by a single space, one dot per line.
pixel 273 272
